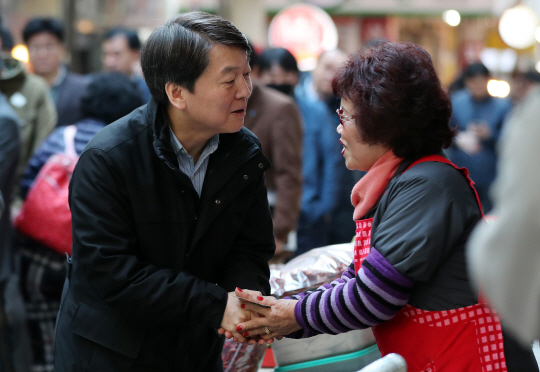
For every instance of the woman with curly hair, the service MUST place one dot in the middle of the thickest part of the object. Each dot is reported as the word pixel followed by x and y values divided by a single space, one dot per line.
pixel 414 211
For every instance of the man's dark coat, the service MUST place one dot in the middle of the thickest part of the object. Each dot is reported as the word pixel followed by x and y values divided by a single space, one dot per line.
pixel 153 262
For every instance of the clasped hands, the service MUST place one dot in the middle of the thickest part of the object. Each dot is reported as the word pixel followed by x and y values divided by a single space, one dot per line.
pixel 247 322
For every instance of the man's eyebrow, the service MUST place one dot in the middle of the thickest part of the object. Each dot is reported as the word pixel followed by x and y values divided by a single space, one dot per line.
pixel 228 69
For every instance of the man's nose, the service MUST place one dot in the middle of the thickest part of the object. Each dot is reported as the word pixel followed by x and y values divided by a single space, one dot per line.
pixel 244 89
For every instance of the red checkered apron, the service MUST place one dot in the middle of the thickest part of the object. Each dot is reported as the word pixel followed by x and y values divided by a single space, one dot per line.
pixel 459 340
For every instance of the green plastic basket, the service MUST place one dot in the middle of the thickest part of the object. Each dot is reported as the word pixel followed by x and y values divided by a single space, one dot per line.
pixel 356 360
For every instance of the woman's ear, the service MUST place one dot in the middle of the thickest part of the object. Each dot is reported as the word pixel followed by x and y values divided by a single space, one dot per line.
pixel 176 95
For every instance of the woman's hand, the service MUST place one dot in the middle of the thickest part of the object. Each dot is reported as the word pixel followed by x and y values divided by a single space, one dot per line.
pixel 279 319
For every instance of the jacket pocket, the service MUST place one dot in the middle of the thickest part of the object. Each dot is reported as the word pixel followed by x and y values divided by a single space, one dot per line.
pixel 108 330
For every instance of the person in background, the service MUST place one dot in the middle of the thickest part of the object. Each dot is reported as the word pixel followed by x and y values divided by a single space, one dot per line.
pixel 44 38
pixel 274 119
pixel 169 213
pixel 457 85
pixel 14 341
pixel 479 118
pixel 414 211
pixel 318 84
pixel 10 143
pixel 121 52
pixel 321 151
pixel 317 87
pixel 503 254
pixel 29 97
pixel 107 98
pixel 524 84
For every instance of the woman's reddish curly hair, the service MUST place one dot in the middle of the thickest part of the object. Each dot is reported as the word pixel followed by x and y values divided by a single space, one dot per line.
pixel 398 98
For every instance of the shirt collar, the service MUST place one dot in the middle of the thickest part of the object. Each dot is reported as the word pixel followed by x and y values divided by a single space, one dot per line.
pixel 209 148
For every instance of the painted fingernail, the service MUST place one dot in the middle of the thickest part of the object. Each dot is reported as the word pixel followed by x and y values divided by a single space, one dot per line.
pixel 260 298
pixel 243 306
pixel 238 328
pixel 239 289
pixel 246 334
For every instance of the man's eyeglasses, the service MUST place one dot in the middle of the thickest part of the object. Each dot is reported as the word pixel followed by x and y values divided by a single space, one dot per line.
pixel 343 118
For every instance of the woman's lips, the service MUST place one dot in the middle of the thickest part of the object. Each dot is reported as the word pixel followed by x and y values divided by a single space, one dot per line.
pixel 344 147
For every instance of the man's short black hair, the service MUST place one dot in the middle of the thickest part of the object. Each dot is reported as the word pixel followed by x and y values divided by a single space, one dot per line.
pixel 7 39
pixel 110 96
pixel 475 69
pixel 39 25
pixel 178 51
pixel 280 56
pixel 131 36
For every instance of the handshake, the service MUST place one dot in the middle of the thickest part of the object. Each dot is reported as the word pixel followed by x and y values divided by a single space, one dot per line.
pixel 246 321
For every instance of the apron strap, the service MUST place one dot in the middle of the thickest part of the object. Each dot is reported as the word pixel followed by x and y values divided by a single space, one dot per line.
pixel 442 159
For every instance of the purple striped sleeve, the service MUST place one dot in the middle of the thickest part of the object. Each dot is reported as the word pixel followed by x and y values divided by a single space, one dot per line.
pixel 376 294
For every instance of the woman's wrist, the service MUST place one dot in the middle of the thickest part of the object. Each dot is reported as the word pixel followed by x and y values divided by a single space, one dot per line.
pixel 291 313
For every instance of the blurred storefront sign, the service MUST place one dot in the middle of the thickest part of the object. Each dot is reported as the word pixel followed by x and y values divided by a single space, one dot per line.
pixel 306 31
pixel 325 3
pixel 465 7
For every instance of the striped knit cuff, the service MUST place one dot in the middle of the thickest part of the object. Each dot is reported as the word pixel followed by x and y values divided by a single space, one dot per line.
pixel 305 332
pixel 374 295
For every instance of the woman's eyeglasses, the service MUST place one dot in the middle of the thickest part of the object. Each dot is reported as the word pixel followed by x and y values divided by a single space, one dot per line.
pixel 343 118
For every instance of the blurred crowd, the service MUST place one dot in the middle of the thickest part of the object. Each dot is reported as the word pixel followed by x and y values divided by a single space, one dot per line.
pixel 49 110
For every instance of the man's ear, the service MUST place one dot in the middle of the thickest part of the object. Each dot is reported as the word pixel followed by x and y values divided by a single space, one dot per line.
pixel 255 73
pixel 176 95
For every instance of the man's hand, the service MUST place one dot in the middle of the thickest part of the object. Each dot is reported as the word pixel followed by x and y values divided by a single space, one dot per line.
pixel 233 333
pixel 468 142
pixel 234 314
pixel 480 129
pixel 273 322
pixel 279 247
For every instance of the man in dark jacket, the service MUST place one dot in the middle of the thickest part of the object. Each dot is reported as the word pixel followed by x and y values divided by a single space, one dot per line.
pixel 44 38
pixel 169 212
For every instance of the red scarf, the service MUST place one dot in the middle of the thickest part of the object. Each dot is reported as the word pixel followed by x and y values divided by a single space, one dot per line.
pixel 370 187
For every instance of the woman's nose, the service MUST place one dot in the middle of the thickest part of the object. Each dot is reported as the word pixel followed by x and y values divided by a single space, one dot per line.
pixel 339 128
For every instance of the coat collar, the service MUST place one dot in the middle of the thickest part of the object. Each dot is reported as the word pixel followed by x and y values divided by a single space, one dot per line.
pixel 233 151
